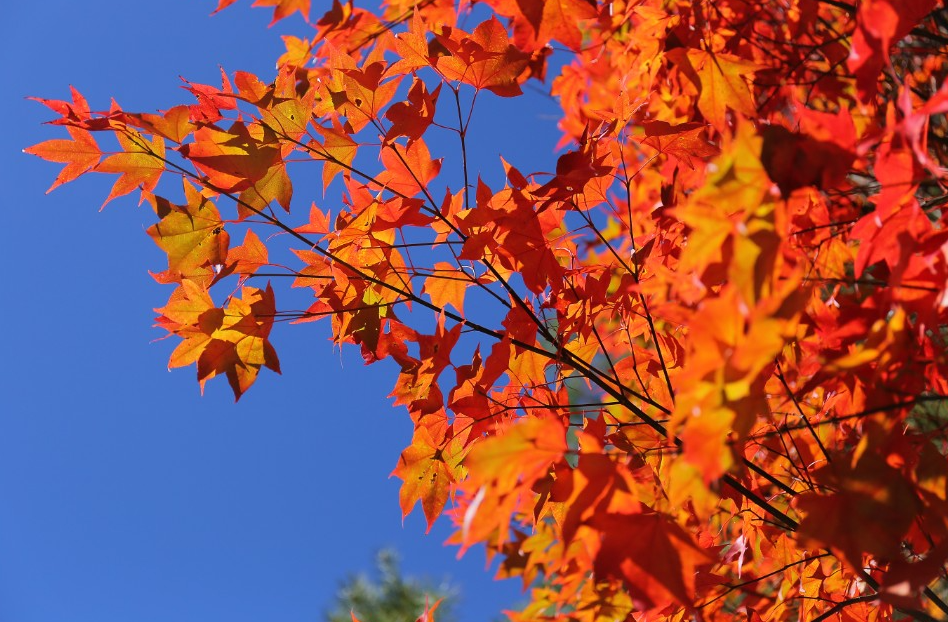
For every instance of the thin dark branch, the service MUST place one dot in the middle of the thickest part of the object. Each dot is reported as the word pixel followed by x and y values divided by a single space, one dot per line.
pixel 806 421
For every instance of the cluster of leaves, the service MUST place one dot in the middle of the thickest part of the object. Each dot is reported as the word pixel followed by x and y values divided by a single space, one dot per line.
pixel 739 262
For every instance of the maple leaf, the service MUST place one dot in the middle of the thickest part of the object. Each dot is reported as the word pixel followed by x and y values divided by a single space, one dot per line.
pixel 232 160
pixel 398 212
pixel 360 94
pixel 338 150
pixel 282 8
pixel 537 23
pixel 140 165
pixel 486 59
pixel 289 117
pixel 211 101
pixel 509 464
pixel 705 437
pixel 890 233
pixel 873 494
pixel 412 117
pixel 193 237
pixel 414 49
pixel 231 341
pixel 523 454
pixel 685 141
pixel 655 557
pixel 722 82
pixel 795 160
pixel 408 170
pixel 76 111
pixel 175 124
pixel 245 259
pixel 879 24
pixel 428 470
pixel 80 154
pixel 447 286
pixel 274 186
pixel 319 222
pixel 285 8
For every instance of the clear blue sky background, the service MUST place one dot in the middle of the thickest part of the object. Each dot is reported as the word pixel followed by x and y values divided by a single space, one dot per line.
pixel 124 494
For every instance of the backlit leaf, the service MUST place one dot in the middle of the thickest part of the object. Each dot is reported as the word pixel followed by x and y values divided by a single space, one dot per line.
pixel 192 235
pixel 140 165
pixel 80 154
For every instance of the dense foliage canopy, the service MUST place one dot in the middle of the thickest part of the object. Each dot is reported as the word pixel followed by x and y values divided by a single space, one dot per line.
pixel 694 370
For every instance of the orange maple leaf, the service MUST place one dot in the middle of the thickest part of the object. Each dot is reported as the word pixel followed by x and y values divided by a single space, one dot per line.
pixel 537 22
pixel 722 82
pixel 412 117
pixel 80 154
pixel 192 235
pixel 485 59
pixel 447 286
pixel 870 507
pixel 684 142
pixel 174 124
pixel 408 170
pixel 275 185
pixel 247 258
pixel 655 557
pixel 337 150
pixel 285 8
pixel 234 159
pixel 428 470
pixel 140 164
pixel 231 341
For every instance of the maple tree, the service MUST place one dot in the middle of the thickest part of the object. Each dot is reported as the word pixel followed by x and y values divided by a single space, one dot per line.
pixel 696 370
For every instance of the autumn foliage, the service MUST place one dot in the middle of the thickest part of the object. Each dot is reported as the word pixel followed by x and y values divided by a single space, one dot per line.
pixel 695 369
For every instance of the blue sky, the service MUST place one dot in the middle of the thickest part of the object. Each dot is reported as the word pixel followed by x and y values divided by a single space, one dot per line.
pixel 124 494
